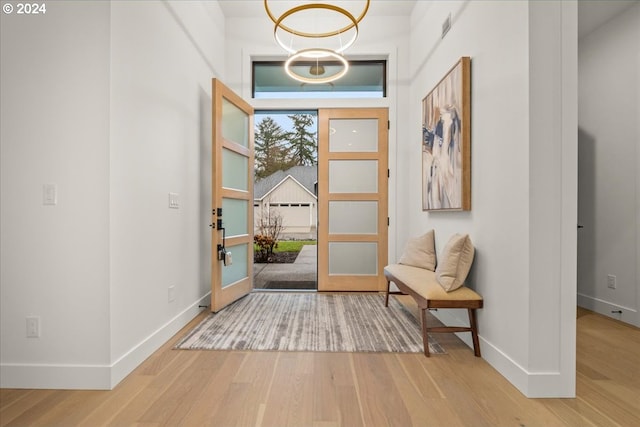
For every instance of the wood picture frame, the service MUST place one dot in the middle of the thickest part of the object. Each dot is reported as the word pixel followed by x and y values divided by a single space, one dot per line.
pixel 446 142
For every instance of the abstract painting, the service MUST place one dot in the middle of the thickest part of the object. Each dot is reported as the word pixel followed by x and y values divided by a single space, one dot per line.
pixel 446 141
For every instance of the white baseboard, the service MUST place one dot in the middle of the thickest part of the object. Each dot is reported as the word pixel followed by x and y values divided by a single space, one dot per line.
pixel 50 376
pixel 95 377
pixel 606 308
pixel 551 384
pixel 138 354
pixel 530 384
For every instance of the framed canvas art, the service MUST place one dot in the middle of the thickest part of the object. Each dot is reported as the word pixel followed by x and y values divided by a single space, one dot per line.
pixel 446 141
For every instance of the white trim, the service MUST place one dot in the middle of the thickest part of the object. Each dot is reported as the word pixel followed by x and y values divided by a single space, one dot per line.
pixel 95 377
pixel 530 384
pixel 134 357
pixel 605 308
pixel 53 376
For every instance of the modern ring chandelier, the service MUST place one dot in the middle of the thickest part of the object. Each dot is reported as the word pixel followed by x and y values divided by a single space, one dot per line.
pixel 315 36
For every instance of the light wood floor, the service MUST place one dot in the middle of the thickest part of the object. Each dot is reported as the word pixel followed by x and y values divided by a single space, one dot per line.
pixel 234 388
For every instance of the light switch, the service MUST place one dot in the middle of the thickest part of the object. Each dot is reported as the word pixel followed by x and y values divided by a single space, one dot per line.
pixel 50 194
pixel 174 200
pixel 33 327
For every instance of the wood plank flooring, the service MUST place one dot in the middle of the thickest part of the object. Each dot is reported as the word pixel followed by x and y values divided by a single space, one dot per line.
pixel 233 388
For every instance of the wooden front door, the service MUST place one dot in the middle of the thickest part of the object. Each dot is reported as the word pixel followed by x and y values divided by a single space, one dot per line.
pixel 232 198
pixel 352 199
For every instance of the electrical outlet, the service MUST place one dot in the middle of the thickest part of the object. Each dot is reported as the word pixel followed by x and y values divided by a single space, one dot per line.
pixel 33 327
pixel 611 281
pixel 172 293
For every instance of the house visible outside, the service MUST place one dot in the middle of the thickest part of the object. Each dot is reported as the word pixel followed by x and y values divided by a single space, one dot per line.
pixel 291 195
pixel 285 183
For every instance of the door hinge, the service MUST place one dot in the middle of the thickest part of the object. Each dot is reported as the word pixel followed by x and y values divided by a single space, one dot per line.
pixel 387 221
pixel 388 124
pixel 388 173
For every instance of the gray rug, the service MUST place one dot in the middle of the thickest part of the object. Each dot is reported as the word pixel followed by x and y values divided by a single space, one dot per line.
pixel 310 322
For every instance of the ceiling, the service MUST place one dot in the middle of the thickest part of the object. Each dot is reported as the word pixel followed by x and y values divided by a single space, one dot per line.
pixel 253 8
pixel 594 13
pixel 591 13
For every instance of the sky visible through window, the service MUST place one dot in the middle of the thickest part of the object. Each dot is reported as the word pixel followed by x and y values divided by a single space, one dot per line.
pixel 282 118
pixel 266 163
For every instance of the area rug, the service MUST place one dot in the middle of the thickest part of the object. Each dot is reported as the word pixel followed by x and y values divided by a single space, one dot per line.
pixel 310 322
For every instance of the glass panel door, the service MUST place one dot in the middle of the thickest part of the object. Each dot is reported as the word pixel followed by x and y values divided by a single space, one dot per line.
pixel 352 180
pixel 232 198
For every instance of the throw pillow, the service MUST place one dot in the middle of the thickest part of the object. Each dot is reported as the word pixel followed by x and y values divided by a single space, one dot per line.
pixel 420 252
pixel 455 262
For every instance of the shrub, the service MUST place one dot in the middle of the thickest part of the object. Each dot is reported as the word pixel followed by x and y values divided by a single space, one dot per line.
pixel 264 247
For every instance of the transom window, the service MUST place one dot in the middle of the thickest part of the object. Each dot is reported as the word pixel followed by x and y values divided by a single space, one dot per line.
pixel 365 79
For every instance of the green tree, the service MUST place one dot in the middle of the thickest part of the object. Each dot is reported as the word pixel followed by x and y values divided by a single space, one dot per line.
pixel 270 148
pixel 303 143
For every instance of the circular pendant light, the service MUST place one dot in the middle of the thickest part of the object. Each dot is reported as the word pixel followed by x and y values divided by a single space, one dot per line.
pixel 316 53
pixel 298 33
pixel 324 34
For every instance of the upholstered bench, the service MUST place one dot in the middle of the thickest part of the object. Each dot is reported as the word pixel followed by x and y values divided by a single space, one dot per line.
pixel 440 287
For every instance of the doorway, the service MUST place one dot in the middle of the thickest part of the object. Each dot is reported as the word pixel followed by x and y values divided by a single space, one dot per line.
pixel 321 199
pixel 286 200
pixel 341 243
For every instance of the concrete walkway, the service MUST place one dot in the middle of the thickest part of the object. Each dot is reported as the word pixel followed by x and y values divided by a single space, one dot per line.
pixel 303 269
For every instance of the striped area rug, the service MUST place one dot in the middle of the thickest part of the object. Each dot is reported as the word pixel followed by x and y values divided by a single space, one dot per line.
pixel 310 322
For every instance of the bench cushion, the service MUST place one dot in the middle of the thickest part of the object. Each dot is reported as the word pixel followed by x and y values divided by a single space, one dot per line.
pixel 420 252
pixel 455 262
pixel 424 283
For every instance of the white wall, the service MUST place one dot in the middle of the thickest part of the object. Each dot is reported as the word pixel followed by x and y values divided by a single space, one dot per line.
pixel 522 202
pixel 609 182
pixel 111 101
pixel 163 56
pixel 55 259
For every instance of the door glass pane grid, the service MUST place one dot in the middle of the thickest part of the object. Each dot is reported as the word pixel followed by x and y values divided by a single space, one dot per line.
pixel 239 269
pixel 353 217
pixel 353 135
pixel 235 124
pixel 235 172
pixel 235 216
pixel 353 176
pixel 353 258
